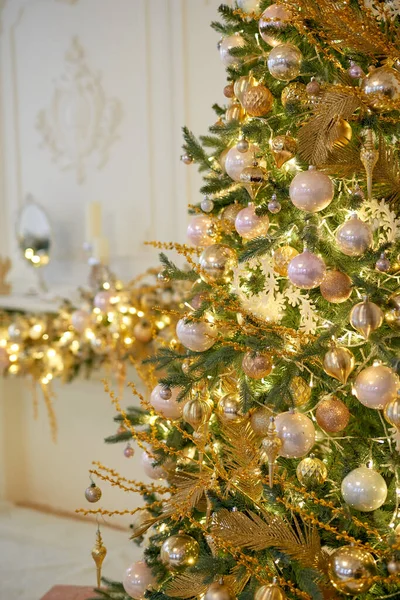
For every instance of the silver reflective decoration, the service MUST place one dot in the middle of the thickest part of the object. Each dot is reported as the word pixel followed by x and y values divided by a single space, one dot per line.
pixel 33 232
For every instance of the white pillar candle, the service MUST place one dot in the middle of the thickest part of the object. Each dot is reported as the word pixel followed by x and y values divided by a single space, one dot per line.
pixel 93 221
pixel 101 249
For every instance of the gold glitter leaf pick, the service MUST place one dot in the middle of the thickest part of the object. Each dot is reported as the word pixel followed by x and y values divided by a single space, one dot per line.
pixel 99 552
pixel 369 157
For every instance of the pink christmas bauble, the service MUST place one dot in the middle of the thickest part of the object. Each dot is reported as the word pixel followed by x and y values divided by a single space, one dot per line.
pixel 354 237
pixel 170 408
pixel 376 386
pixel 197 230
pixel 196 335
pixel 311 190
pixel 80 320
pixel 229 42
pixel 297 433
pixel 4 359
pixel 102 300
pixel 306 270
pixel 236 161
pixel 155 471
pixel 249 225
pixel 276 17
pixel 137 579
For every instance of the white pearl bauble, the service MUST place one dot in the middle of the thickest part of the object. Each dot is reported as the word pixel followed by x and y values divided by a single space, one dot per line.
pixel 376 386
pixel 364 489
pixel 197 231
pixel 229 42
pixel 249 225
pixel 154 471
pixel 306 270
pixel 137 579
pixel 297 433
pixel 249 6
pixel 236 161
pixel 170 408
pixel 311 191
pixel 276 17
pixel 80 320
pixel 284 62
pixel 197 336
pixel 354 237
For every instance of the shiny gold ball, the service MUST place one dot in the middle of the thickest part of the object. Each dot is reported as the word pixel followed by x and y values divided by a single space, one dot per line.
pixel 336 287
pixel 344 134
pixel 282 258
pixel 366 317
pixel 93 493
pixel 294 97
pixel 256 366
pixel 271 591
pixel 179 551
pixel 332 414
pixel 258 101
pixel 230 409
pixel 197 412
pixel 311 471
pixel 339 363
pixel 300 391
pixel 392 412
pixel 349 568
pixel 392 318
pixel 235 112
pixel 216 262
pixel 242 85
pixel 382 87
pixel 260 420
pixel 219 591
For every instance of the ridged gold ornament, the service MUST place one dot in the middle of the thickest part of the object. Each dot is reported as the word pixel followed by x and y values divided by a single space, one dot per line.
pixel 197 412
pixel 366 317
pixel 271 446
pixel 332 415
pixel 282 257
pixel 179 551
pixel 392 412
pixel 294 97
pixel 300 390
pixel 369 157
pixel 311 471
pixel 339 363
pixel 235 112
pixel 256 366
pixel 99 552
pixel 242 85
pixel 283 148
pixel 258 101
pixel 336 287
pixel 230 409
pixel 349 570
pixel 271 591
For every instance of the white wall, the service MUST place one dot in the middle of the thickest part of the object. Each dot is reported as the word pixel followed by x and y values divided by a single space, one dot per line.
pixel 153 66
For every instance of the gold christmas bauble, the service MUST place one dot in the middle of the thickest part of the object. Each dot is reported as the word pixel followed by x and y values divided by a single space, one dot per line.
pixel 242 85
pixel 294 97
pixel 283 148
pixel 260 419
pixel 392 412
pixel 219 591
pixel 271 591
pixel 344 134
pixel 258 101
pixel 392 318
pixel 197 412
pixel 230 409
pixel 393 566
pixel 228 216
pixel 235 112
pixel 256 366
pixel 229 91
pixel 179 551
pixel 300 391
pixel 282 257
pixel 93 493
pixel 216 262
pixel 336 287
pixel 394 300
pixel 332 414
pixel 339 363
pixel 382 87
pixel 349 568
pixel 311 471
pixel 366 317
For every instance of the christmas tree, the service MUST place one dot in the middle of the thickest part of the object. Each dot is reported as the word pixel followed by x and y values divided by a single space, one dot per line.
pixel 274 422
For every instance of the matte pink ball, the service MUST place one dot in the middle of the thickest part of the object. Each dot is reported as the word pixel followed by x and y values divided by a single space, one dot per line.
pixel 306 270
pixel 376 386
pixel 311 191
pixel 236 161
pixel 137 579
pixel 80 320
pixel 297 433
pixel 102 300
pixel 197 231
pixel 170 408
pixel 153 470
pixel 249 225
pixel 276 17
pixel 196 335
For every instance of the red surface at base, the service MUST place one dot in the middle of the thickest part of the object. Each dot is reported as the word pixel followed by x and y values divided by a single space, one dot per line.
pixel 69 592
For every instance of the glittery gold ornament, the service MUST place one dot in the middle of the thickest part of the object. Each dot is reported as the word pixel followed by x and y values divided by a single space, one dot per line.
pixel 197 412
pixel 282 257
pixel 217 262
pixel 283 148
pixel 260 419
pixel 300 391
pixel 332 414
pixel 271 446
pixel 99 553
pixel 336 287
pixel 219 591
pixel 339 363
pixel 229 91
pixel 230 409
pixel 382 87
pixel 294 97
pixel 392 412
pixel 228 216
pixel 256 366
pixel 284 62
pixel 349 570
pixel 242 85
pixel 179 551
pixel 258 101
pixel 366 317
pixel 344 134
pixel 271 591
pixel 235 112
pixel 93 493
pixel 311 471
pixel 369 157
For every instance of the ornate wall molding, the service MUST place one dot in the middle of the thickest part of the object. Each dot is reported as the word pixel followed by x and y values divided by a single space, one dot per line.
pixel 80 121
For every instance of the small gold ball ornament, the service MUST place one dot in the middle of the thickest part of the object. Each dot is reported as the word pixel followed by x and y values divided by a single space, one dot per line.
pixel 230 409
pixel 332 414
pixel 300 391
pixel 229 91
pixel 93 493
pixel 242 85
pixel 282 257
pixel 339 363
pixel 219 591
pixel 283 147
pixel 197 412
pixel 235 112
pixel 260 419
pixel 256 366
pixel 179 551
pixel 392 412
pixel 311 471
pixel 284 62
pixel 258 101
pixel 336 287
pixel 382 87
pixel 349 570
pixel 366 317
pixel 217 262
pixel 294 97
pixel 271 591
